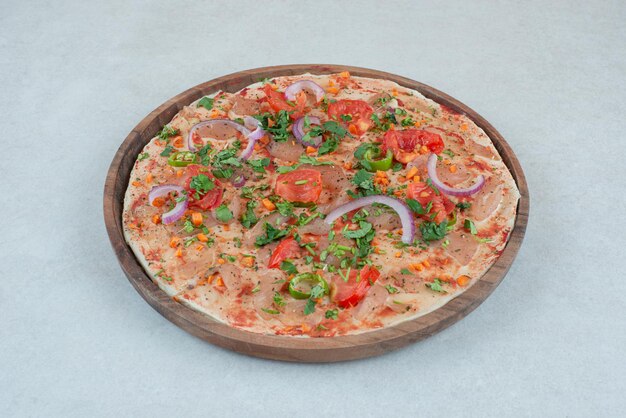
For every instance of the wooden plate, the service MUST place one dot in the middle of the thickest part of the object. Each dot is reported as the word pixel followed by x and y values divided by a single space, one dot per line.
pixel 285 347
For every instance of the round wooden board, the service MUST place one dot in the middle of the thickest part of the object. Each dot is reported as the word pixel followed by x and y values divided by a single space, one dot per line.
pixel 284 347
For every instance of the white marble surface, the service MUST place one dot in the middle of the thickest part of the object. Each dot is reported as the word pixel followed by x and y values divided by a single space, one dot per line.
pixel 77 340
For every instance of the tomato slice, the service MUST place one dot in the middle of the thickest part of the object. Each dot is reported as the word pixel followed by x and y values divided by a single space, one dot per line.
pixel 301 185
pixel 423 193
pixel 288 248
pixel 358 110
pixel 207 201
pixel 278 102
pixel 406 144
pixel 350 293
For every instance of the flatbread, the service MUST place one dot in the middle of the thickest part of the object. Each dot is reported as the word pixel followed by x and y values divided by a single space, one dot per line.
pixel 221 266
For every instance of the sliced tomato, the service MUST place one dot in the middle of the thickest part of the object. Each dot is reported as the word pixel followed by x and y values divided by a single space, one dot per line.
pixel 288 248
pixel 278 102
pixel 300 185
pixel 206 201
pixel 406 145
pixel 441 206
pixel 350 293
pixel 359 111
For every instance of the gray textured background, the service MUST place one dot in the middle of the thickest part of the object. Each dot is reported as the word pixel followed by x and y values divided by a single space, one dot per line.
pixel 77 340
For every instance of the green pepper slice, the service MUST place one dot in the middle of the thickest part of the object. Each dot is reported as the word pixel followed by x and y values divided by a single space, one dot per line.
pixel 312 280
pixel 181 159
pixel 375 164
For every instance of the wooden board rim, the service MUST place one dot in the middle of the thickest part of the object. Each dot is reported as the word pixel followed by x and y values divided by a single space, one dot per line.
pixel 295 348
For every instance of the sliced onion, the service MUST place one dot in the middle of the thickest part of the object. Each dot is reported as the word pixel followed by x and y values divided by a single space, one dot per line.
pixel 298 131
pixel 292 91
pixel 403 211
pixel 432 173
pixel 178 211
pixel 245 131
pixel 238 181
pixel 253 136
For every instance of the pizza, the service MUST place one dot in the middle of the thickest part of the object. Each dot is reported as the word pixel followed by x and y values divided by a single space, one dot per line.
pixel 318 205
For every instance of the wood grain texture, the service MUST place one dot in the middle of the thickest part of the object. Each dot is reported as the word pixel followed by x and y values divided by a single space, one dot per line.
pixel 284 347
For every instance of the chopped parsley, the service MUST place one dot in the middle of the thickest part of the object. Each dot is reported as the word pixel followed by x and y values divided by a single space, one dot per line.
pixel 469 225
pixel 167 151
pixel 365 228
pixel 223 214
pixel 201 184
pixel 271 234
pixel 167 132
pixel 435 286
pixel 249 218
pixel 206 102
pixel 391 289
pixel 405 271
pixel 285 208
pixel 417 207
pixel 279 128
pixel 143 156
pixel 463 205
pixel 332 314
pixel 278 299
pixel 258 166
pixel 448 153
pixel 433 232
pixel 288 267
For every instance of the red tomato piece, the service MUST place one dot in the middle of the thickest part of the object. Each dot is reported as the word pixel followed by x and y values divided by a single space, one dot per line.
pixel 207 201
pixel 288 248
pixel 359 110
pixel 300 185
pixel 350 293
pixel 406 144
pixel 423 193
pixel 278 102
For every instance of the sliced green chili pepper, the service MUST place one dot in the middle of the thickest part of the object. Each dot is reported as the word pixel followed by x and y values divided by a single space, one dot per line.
pixel 451 222
pixel 181 159
pixel 309 278
pixel 375 164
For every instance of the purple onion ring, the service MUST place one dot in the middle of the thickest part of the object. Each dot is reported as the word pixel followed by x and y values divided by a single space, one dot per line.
pixel 403 211
pixel 293 89
pixel 451 191
pixel 298 131
pixel 178 211
pixel 190 146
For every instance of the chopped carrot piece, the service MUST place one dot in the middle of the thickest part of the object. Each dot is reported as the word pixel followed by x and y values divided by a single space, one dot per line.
pixel 333 90
pixel 331 83
pixel 220 281
pixel 463 280
pixel 347 165
pixel 423 149
pixel 265 139
pixel 447 162
pixel 412 172
pixel 418 266
pixel 226 227
pixel 136 183
pixel 247 261
pixel 202 238
pixel 310 150
pixel 214 114
pixel 199 247
pixel 220 261
pixel 174 242
pixel 417 179
pixel 394 92
pixel 177 141
pixel 426 263
pixel 417 124
pixel 210 279
pixel 270 123
pixel 424 194
pixel 344 74
pixel 398 254
pixel 268 204
pixel 179 173
pixel 158 202
pixel 149 178
pixel 156 219
pixel 179 252
pixel 464 127
pixel 196 218
pixel 452 168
